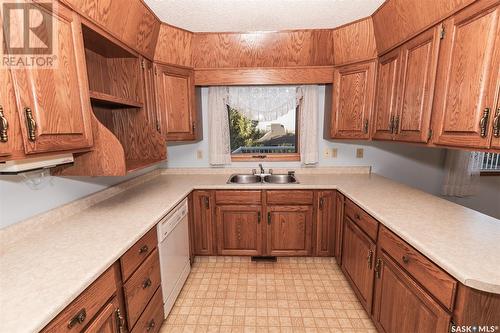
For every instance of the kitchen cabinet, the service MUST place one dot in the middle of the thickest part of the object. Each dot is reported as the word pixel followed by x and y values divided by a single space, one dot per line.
pixel 467 80
pixel 8 115
pixel 149 88
pixel 109 320
pixel 289 230
pixel 339 226
pixel 495 140
pixel 203 223
pixel 176 103
pixel 239 230
pixel 352 102
pixel 325 223
pixel 358 256
pixel 53 103
pixel 401 305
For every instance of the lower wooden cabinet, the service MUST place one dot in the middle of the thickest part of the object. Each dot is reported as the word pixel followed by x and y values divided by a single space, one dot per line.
pixel 202 223
pixel 109 320
pixel 239 230
pixel 401 305
pixel 289 231
pixel 325 223
pixel 358 256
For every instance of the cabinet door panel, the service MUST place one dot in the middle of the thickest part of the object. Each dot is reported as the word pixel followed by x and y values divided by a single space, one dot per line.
pixel 148 82
pixel 357 262
pixel 58 97
pixel 239 230
pixel 106 321
pixel 495 140
pixel 401 305
pixel 325 223
pixel 289 231
pixel 203 229
pixel 386 97
pixel 352 101
pixel 418 75
pixel 467 76
pixel 8 118
pixel 339 226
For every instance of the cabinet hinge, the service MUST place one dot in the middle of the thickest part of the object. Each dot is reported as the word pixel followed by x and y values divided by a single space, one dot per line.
pixel 143 64
pixel 442 32
pixel 429 135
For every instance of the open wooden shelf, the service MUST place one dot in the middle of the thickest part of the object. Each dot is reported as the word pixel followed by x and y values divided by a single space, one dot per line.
pixel 113 101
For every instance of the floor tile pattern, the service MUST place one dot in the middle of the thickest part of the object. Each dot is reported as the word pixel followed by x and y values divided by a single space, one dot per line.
pixel 234 294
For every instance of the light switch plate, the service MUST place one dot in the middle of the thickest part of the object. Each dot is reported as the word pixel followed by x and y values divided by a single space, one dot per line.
pixel 359 152
pixel 199 154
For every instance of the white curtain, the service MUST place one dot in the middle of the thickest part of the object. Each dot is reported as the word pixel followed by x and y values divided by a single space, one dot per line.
pixel 462 173
pixel 219 146
pixel 308 120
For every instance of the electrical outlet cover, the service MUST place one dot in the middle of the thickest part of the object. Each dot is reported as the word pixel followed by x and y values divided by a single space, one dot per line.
pixel 359 152
pixel 334 152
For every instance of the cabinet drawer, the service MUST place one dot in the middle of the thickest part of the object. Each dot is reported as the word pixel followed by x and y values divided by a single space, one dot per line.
pixel 87 305
pixel 141 286
pixel 362 219
pixel 290 197
pixel 441 285
pixel 138 253
pixel 152 318
pixel 238 197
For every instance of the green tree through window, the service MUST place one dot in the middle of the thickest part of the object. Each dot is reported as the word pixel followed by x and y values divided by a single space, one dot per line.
pixel 243 132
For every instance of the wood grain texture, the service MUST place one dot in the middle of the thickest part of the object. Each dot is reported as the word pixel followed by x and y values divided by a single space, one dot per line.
pixel 105 321
pixel 353 93
pixel 439 283
pixel 151 319
pixel 356 248
pixel 475 306
pixel 238 197
pixel 362 219
pixel 280 197
pixel 239 230
pixel 263 49
pixel 468 66
pixel 401 305
pixel 354 42
pixel 174 46
pixel 262 76
pixel 134 256
pixel 14 147
pixel 398 20
pixel 204 223
pixel 149 89
pixel 325 223
pixel 91 299
pixel 339 226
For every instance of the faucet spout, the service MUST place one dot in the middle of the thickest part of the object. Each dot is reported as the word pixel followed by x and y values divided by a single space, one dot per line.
pixel 261 168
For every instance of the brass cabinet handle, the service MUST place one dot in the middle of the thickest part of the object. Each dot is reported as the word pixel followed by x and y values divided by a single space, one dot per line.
pixel 406 259
pixel 31 124
pixel 258 217
pixel 143 249
pixel 158 128
pixel 391 125
pixel 496 124
pixel 147 283
pixel 369 259
pixel 269 218
pixel 484 122
pixel 365 127
pixel 79 318
pixel 321 203
pixel 207 202
pixel 151 324
pixel 396 125
pixel 120 320
pixel 4 126
pixel 378 267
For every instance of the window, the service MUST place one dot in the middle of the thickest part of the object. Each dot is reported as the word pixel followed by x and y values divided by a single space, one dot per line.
pixel 490 164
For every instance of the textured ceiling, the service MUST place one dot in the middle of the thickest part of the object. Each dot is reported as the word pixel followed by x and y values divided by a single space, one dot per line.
pixel 260 15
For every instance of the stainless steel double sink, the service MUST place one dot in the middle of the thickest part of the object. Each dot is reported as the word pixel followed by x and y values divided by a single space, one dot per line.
pixel 270 179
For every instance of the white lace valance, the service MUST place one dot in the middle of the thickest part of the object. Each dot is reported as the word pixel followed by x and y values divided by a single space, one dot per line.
pixel 263 103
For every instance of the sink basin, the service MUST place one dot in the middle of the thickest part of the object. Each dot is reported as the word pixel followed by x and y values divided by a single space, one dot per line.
pixel 280 179
pixel 244 179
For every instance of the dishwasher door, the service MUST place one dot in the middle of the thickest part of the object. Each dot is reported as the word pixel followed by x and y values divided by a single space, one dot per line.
pixel 174 254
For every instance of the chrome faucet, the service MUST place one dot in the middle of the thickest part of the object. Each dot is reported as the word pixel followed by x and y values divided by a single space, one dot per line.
pixel 261 169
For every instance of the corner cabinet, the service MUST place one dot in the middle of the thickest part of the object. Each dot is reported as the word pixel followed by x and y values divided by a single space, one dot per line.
pixel 352 102
pixel 468 77
pixel 325 223
pixel 177 111
pixel 53 103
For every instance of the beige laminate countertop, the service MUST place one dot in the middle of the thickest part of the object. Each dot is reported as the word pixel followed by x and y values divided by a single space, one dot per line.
pixel 44 266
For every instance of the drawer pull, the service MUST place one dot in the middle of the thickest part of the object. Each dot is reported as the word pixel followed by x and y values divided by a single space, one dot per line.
pixel 269 218
pixel 30 124
pixel 406 259
pixel 4 126
pixel 147 283
pixel 378 267
pixel 369 258
pixel 151 325
pixel 357 216
pixel 79 318
pixel 144 249
pixel 120 321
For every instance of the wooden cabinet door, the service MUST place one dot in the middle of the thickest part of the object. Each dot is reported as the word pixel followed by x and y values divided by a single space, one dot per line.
pixel 389 67
pixel 289 230
pixel 495 140
pixel 325 223
pixel 401 305
pixel 468 76
pixel 107 321
pixel 239 230
pixel 353 90
pixel 175 90
pixel 8 114
pixel 203 226
pixel 56 100
pixel 358 252
pixel 339 226
pixel 418 75
pixel 148 83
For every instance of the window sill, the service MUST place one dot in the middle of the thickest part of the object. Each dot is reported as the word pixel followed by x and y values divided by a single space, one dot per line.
pixel 265 157
pixel 490 173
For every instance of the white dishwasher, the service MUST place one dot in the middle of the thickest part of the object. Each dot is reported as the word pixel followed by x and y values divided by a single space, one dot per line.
pixel 173 245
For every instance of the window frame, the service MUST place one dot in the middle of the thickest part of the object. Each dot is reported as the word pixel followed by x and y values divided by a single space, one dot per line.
pixel 274 157
pixel 489 173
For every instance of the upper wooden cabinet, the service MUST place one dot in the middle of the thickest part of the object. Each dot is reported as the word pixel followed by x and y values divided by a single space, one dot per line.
pixel 53 103
pixel 8 115
pixel 149 88
pixel 352 101
pixel 495 140
pixel 468 77
pixel 405 86
pixel 176 103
